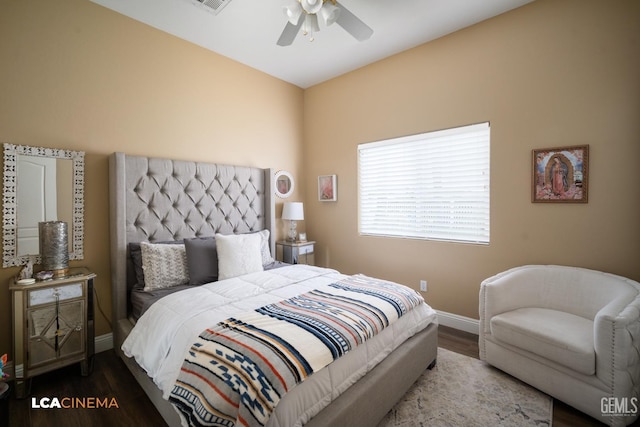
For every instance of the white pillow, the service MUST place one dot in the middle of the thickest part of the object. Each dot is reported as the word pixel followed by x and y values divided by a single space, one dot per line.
pixel 163 265
pixel 238 254
pixel 265 248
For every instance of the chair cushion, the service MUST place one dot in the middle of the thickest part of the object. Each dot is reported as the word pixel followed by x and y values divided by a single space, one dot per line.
pixel 561 337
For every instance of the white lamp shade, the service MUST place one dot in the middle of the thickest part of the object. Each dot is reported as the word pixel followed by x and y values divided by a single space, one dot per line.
pixel 293 12
pixel 310 24
pixel 329 13
pixel 293 211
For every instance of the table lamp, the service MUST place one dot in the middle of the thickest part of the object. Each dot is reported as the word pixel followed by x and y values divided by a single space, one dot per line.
pixel 292 211
pixel 54 248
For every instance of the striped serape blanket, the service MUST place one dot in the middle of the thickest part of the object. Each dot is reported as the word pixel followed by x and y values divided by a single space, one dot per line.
pixel 237 371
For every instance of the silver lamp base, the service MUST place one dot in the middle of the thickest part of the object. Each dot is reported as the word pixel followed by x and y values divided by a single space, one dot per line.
pixel 54 247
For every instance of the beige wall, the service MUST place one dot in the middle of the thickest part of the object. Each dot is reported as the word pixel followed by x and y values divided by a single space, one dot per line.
pixel 557 72
pixel 553 73
pixel 78 76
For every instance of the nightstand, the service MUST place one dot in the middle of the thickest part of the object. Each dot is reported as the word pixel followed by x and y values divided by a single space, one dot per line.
pixel 295 252
pixel 53 326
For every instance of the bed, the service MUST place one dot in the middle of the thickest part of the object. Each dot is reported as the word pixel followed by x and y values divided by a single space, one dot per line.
pixel 163 200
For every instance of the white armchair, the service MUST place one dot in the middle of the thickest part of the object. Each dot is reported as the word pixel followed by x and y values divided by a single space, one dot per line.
pixel 572 333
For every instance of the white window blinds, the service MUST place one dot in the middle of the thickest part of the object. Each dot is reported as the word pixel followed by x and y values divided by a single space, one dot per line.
pixel 429 186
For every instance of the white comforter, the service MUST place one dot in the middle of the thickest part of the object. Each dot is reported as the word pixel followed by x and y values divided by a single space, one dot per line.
pixel 162 336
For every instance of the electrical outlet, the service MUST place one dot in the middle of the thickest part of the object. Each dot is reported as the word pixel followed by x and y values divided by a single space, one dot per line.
pixel 423 286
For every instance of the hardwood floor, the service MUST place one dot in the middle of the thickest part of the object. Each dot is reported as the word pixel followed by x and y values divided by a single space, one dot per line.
pixel 111 379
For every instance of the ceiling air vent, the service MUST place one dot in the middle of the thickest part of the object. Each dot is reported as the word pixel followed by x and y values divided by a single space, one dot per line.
pixel 213 6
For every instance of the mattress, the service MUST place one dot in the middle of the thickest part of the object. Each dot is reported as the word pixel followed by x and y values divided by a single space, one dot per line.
pixel 164 333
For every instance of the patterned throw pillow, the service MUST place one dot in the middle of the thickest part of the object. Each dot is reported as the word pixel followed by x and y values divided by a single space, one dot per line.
pixel 164 265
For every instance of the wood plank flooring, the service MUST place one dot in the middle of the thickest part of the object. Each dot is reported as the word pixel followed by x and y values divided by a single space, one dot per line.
pixel 111 379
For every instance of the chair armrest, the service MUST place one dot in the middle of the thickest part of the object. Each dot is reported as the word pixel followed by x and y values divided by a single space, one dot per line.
pixel 617 345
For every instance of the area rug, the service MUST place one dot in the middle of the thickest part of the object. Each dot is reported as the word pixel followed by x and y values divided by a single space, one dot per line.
pixel 465 392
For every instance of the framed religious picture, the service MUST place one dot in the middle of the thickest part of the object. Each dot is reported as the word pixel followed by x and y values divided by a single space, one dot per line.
pixel 561 175
pixel 327 190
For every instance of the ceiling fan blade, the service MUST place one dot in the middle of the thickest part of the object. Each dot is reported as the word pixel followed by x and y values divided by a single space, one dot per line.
pixel 290 32
pixel 353 25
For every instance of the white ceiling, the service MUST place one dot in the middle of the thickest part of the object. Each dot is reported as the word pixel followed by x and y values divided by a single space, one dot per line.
pixel 247 31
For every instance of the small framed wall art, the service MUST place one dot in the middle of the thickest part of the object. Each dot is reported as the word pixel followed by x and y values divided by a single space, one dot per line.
pixel 561 175
pixel 327 188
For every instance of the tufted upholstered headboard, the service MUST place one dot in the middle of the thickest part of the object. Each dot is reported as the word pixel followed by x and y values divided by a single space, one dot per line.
pixel 153 199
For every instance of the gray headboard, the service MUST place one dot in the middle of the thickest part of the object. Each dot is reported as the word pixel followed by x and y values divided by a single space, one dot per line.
pixel 153 199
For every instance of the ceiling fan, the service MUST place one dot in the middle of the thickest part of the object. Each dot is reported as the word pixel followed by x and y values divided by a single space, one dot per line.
pixel 304 14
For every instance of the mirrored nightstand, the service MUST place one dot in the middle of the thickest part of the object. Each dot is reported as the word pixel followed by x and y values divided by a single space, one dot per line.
pixel 295 252
pixel 53 326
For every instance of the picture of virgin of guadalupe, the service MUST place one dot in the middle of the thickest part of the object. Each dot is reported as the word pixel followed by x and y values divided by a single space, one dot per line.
pixel 558 177
pixel 560 174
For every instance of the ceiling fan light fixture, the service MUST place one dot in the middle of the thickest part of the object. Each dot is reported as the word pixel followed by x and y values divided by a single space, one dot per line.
pixel 311 6
pixel 329 13
pixel 304 14
pixel 310 25
pixel 293 12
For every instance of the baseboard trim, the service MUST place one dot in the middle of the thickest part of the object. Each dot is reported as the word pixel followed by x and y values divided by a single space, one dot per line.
pixel 103 342
pixel 456 321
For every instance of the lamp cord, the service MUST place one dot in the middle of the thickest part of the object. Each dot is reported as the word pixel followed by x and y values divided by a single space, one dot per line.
pixel 95 293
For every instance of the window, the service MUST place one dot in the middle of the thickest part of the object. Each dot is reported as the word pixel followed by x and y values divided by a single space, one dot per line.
pixel 429 186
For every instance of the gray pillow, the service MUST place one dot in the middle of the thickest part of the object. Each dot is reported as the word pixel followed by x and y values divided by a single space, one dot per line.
pixel 136 258
pixel 202 260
